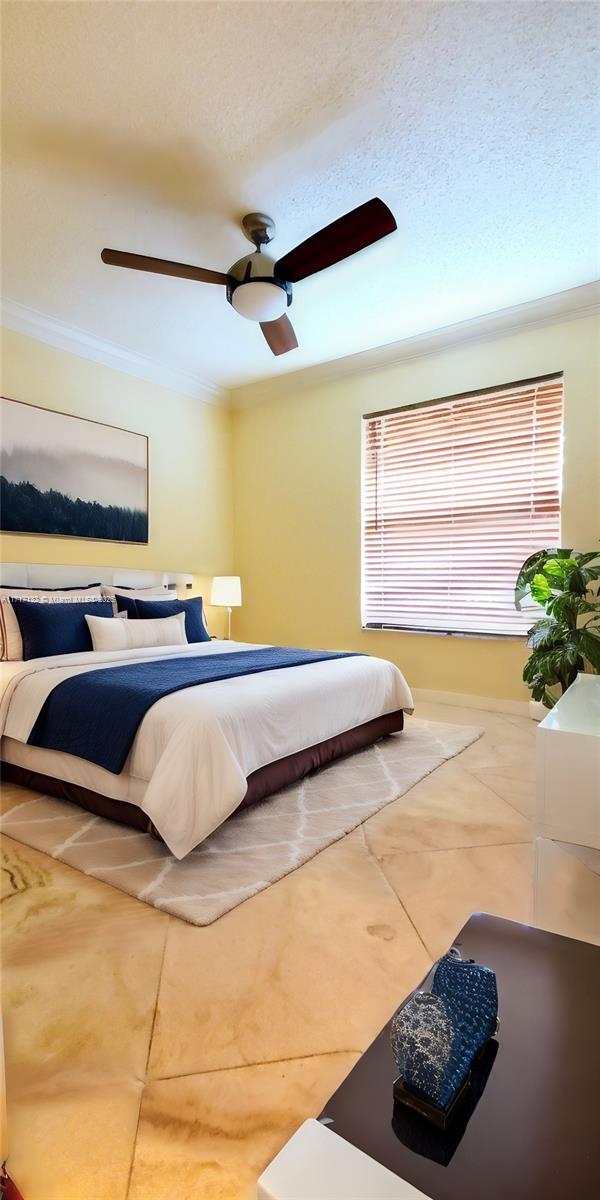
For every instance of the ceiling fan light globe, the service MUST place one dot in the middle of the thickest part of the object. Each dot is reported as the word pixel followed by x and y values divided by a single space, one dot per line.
pixel 259 300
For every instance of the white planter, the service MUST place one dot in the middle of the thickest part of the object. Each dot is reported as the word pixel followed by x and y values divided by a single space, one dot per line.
pixel 537 710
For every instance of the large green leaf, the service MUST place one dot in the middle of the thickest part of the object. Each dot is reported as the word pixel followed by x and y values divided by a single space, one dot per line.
pixel 590 646
pixel 559 568
pixel 531 671
pixel 540 589
pixel 564 607
pixel 547 632
pixel 534 681
pixel 533 565
pixel 543 665
pixel 581 578
pixel 571 654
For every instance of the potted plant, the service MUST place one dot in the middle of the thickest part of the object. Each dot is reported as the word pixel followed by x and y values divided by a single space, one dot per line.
pixel 567 639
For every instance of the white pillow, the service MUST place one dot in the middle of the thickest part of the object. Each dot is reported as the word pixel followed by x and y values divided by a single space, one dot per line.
pixel 109 633
pixel 151 593
pixel 11 642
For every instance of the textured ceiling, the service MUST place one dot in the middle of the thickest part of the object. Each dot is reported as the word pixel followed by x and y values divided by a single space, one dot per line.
pixel 154 126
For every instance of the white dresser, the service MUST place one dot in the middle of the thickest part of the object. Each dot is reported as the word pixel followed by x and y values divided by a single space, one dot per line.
pixel 567 844
pixel 316 1164
pixel 568 766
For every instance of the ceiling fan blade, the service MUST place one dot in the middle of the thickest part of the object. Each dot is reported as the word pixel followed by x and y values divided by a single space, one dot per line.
pixel 280 335
pixel 161 266
pixel 357 229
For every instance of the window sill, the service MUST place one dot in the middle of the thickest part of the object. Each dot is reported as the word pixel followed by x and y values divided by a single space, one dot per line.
pixel 445 633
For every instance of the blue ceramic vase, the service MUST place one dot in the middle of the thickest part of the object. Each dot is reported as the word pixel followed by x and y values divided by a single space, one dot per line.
pixel 437 1035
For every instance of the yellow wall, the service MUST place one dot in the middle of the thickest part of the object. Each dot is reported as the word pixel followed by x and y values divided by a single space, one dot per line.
pixel 297 500
pixel 189 457
pixel 296 488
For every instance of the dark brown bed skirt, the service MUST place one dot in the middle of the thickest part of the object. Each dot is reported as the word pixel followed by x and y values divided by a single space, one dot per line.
pixel 268 779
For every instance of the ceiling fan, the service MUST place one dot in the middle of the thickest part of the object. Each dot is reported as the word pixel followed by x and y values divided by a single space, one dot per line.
pixel 260 288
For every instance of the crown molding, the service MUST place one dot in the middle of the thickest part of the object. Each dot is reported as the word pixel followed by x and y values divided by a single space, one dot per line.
pixel 568 305
pixel 571 305
pixel 59 334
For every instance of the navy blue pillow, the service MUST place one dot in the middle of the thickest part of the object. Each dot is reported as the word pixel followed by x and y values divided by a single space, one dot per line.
pixel 55 628
pixel 127 604
pixel 195 629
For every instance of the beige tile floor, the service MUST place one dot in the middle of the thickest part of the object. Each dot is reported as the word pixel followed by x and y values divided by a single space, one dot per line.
pixel 150 1058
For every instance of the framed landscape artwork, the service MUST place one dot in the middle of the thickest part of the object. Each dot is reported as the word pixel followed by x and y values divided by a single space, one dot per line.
pixel 71 477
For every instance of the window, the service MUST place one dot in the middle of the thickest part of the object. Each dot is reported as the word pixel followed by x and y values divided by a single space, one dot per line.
pixel 456 494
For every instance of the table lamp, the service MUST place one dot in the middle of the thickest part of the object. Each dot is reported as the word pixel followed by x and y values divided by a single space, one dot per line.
pixel 226 593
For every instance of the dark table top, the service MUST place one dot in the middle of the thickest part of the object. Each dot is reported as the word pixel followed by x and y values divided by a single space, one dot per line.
pixel 534 1132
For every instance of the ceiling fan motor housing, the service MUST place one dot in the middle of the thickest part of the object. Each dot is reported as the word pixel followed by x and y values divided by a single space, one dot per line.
pixel 255 291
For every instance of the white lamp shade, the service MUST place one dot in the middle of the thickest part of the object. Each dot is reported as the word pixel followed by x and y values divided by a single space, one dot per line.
pixel 259 300
pixel 226 591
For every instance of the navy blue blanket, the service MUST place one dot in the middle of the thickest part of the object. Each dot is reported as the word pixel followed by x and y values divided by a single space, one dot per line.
pixel 96 715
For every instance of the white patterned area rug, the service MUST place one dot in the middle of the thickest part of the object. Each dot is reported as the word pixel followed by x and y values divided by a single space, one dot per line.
pixel 252 849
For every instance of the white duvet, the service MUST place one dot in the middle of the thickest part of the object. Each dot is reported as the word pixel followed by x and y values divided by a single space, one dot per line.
pixel 195 748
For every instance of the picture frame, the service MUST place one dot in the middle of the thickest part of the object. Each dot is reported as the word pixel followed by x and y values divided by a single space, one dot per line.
pixel 64 475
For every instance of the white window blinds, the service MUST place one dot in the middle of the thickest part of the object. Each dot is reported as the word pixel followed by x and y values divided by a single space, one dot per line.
pixel 456 494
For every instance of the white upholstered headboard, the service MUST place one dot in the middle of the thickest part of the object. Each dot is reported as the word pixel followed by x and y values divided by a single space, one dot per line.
pixel 49 575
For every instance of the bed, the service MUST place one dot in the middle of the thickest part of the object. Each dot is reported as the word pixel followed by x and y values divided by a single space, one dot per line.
pixel 204 750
